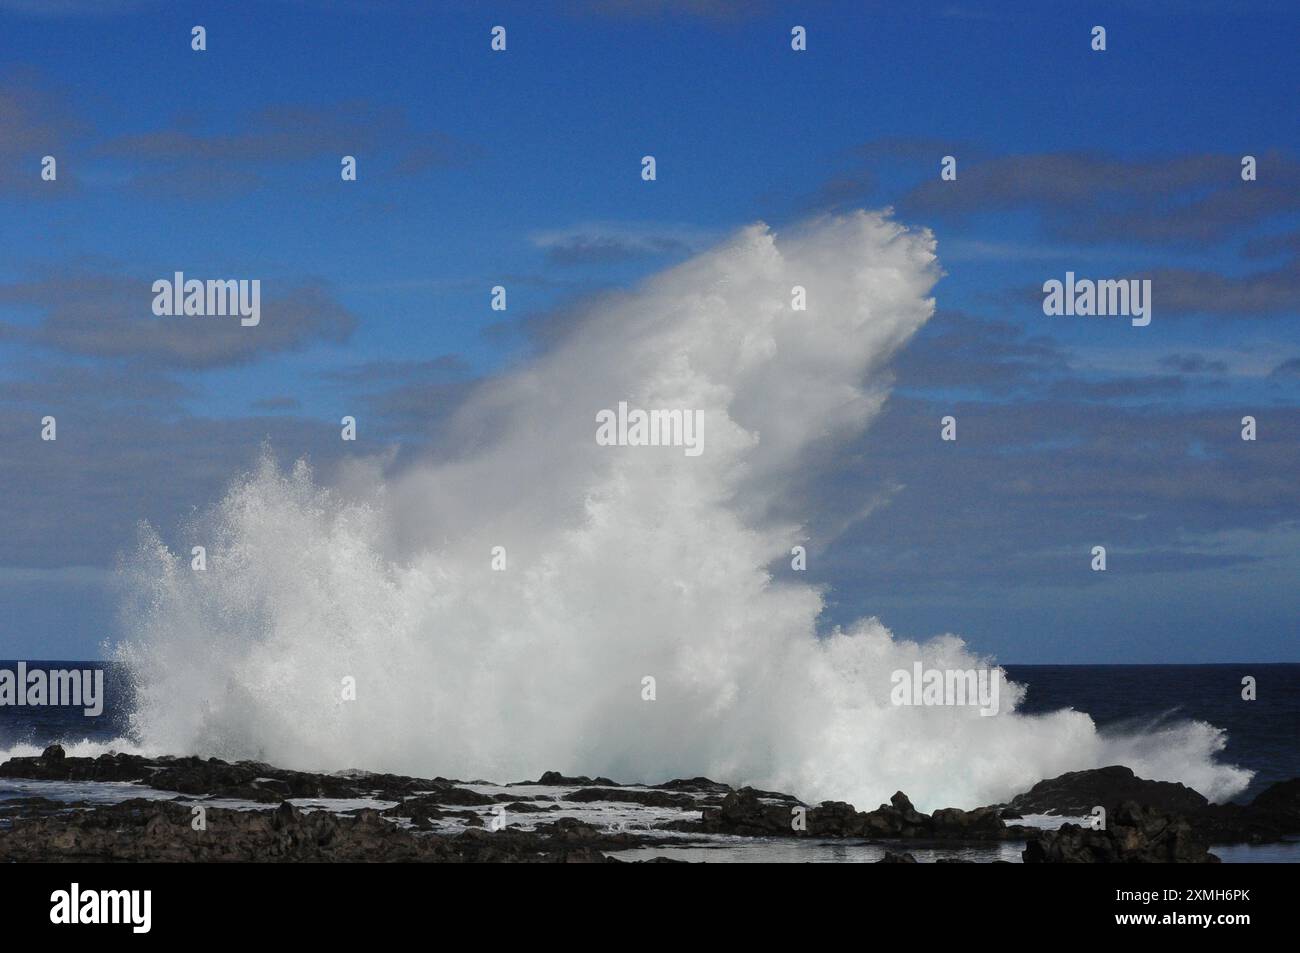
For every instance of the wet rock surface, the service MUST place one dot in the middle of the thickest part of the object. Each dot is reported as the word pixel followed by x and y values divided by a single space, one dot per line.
pixel 442 820
pixel 1273 815
pixel 1134 834
pixel 139 830
pixel 243 780
pixel 750 812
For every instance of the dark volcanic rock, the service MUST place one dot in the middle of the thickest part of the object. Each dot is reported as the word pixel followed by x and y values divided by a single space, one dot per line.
pixel 694 786
pixel 743 812
pixel 34 807
pixel 954 822
pixel 1078 792
pixel 242 780
pixel 245 780
pixel 1134 835
pixel 154 831
pixel 644 798
pixel 830 819
pixel 903 806
pixel 1274 814
pixel 462 796
pixel 422 810
pixel 1281 799
pixel 520 807
pixel 54 765
pixel 140 830
pixel 893 858
pixel 1149 821
pixel 555 779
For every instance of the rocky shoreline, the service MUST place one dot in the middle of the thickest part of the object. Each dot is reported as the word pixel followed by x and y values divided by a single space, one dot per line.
pixel 440 820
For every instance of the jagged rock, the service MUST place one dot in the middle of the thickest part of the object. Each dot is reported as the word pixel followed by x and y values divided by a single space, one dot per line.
pixel 1134 835
pixel 1272 815
pixel 903 806
pixel 159 831
pixel 54 765
pixel 241 780
pixel 893 858
pixel 831 819
pixel 954 822
pixel 744 812
pixel 1179 829
pixel 741 812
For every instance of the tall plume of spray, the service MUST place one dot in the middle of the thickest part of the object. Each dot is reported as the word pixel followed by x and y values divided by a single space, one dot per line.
pixel 621 563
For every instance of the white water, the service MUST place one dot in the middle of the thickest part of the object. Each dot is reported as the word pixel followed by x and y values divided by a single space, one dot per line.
pixel 622 563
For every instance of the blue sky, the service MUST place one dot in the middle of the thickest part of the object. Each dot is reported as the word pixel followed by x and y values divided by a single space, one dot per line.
pixel 522 169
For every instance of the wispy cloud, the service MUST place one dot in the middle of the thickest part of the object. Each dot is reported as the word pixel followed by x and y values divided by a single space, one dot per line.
pixel 96 314
pixel 197 160
pixel 1289 369
pixel 1196 291
pixel 34 122
pixel 1083 197
pixel 1194 364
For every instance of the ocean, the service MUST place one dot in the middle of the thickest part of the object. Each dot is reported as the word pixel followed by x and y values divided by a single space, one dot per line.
pixel 1262 735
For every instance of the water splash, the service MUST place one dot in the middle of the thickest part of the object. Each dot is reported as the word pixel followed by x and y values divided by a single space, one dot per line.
pixel 622 563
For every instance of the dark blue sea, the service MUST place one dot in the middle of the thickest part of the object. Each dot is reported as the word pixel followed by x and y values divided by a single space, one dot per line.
pixel 1263 735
